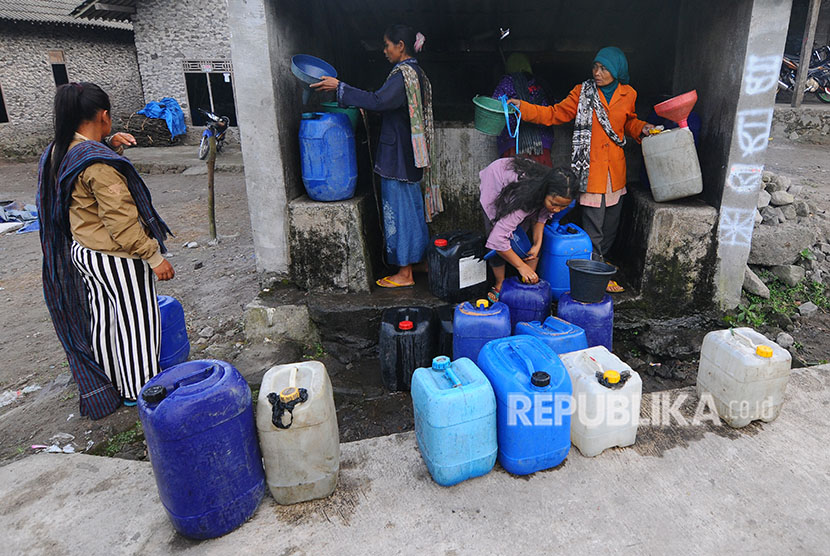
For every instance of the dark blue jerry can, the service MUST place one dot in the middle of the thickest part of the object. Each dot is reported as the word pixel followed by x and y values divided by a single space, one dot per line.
pixel 559 335
pixel 533 401
pixel 474 326
pixel 198 422
pixel 596 319
pixel 175 347
pixel 327 154
pixel 527 302
pixel 560 244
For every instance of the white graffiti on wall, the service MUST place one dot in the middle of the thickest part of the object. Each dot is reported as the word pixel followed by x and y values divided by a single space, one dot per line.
pixel 745 178
pixel 753 130
pixel 761 74
pixel 735 227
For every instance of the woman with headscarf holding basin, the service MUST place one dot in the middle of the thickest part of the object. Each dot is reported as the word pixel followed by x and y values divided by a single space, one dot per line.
pixel 602 109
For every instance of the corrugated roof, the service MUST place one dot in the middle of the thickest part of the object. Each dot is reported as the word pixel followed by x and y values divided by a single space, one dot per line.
pixel 53 11
pixel 111 10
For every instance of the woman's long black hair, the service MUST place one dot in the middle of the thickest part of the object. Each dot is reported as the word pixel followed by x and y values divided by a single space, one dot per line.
pixel 534 182
pixel 74 103
pixel 399 32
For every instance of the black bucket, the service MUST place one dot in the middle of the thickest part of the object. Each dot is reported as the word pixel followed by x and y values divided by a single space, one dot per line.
pixel 589 279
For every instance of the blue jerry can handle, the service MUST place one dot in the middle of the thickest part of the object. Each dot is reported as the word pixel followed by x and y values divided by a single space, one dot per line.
pixel 525 359
pixel 559 215
pixel 452 377
pixel 195 377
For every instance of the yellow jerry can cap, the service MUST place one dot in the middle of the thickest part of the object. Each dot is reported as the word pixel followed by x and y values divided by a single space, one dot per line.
pixel 611 376
pixel 289 394
pixel 482 304
pixel 763 351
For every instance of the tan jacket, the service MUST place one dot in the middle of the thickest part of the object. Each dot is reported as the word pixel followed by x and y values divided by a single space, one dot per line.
pixel 103 216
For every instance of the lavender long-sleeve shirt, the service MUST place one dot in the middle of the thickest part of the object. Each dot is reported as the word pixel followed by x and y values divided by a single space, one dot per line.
pixel 494 178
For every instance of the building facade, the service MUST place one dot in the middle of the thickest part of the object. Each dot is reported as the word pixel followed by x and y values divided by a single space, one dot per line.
pixel 41 46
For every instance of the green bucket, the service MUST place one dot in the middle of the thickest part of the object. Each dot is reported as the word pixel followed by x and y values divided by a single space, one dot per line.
pixel 351 111
pixel 490 115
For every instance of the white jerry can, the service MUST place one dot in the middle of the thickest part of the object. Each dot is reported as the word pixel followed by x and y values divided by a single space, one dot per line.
pixel 745 373
pixel 607 395
pixel 298 433
pixel 672 164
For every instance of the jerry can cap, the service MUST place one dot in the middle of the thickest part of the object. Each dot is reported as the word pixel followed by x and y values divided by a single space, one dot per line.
pixel 763 351
pixel 482 303
pixel 611 376
pixel 441 363
pixel 289 394
pixel 405 325
pixel 440 242
pixel 154 394
pixel 540 378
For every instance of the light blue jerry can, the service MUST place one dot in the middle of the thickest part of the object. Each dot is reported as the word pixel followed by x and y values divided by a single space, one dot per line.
pixel 455 420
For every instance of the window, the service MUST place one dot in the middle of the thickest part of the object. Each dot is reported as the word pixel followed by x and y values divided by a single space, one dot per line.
pixel 58 67
pixel 4 116
pixel 210 87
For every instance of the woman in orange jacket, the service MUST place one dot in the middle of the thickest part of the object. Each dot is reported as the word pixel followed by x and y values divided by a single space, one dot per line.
pixel 602 110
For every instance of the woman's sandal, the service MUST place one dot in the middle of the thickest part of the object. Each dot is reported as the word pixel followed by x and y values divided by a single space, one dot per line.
pixel 493 295
pixel 614 287
pixel 386 282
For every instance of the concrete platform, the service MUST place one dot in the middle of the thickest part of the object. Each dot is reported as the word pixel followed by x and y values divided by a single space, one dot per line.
pixel 182 159
pixel 702 489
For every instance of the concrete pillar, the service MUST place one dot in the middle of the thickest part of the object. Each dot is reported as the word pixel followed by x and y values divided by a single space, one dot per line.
pixel 256 110
pixel 750 137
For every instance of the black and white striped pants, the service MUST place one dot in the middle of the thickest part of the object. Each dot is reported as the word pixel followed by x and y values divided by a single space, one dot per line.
pixel 124 313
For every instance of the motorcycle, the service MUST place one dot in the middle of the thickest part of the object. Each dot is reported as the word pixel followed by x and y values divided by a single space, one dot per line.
pixel 818 74
pixel 217 127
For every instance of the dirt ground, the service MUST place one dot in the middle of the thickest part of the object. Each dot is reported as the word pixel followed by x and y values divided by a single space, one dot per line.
pixel 212 295
pixel 214 284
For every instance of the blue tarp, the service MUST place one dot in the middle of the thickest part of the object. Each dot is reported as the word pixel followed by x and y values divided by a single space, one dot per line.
pixel 169 111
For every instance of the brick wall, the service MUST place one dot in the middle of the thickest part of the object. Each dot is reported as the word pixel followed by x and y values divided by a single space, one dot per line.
pixel 103 56
pixel 168 33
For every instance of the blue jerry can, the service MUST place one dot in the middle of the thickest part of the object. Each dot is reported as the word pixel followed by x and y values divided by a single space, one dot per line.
pixel 455 420
pixel 199 425
pixel 561 243
pixel 533 397
pixel 596 319
pixel 475 326
pixel 559 335
pixel 327 156
pixel 175 347
pixel 527 302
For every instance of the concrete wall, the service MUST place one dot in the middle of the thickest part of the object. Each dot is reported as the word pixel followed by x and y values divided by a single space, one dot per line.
pixel 264 36
pixel 759 38
pixel 103 56
pixel 168 33
pixel 711 47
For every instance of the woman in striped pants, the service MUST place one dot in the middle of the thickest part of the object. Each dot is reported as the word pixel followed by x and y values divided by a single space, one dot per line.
pixel 102 244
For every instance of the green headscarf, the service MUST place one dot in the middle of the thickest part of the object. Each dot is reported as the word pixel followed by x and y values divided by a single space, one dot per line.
pixel 616 63
pixel 517 62
pixel 613 58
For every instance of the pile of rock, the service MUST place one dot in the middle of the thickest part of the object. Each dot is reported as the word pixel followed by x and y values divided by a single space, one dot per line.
pixel 791 237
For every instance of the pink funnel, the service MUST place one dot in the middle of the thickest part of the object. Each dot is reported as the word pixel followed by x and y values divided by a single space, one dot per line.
pixel 677 109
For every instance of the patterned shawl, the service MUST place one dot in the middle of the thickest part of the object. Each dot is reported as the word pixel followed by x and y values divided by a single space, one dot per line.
pixel 589 104
pixel 63 288
pixel 423 134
